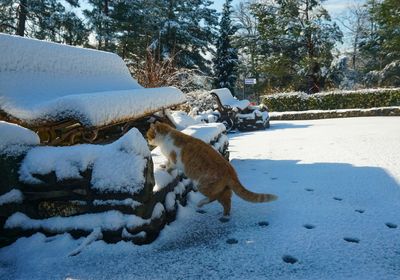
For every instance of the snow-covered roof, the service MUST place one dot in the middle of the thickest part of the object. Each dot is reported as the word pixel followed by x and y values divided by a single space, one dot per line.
pixel 49 81
pixel 116 167
pixel 227 99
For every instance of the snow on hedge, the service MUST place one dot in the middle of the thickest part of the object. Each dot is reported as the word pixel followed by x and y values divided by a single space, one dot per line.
pixel 15 139
pixel 116 167
pixel 304 95
pixel 110 220
pixel 340 111
pixel 48 81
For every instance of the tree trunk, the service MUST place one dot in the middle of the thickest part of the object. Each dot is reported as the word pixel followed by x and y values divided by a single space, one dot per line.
pixel 107 27
pixel 22 15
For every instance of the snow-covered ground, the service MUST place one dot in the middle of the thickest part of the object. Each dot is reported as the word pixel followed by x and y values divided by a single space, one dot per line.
pixel 337 217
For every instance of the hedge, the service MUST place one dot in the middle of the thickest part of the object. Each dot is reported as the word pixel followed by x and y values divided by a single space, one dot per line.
pixel 362 99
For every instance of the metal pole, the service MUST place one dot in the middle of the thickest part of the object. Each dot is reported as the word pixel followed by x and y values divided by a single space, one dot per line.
pixel 244 85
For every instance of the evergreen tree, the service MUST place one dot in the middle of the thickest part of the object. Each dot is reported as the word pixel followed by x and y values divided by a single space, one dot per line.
pixel 101 23
pixel 186 29
pixel 298 38
pixel 226 59
pixel 380 47
pixel 42 19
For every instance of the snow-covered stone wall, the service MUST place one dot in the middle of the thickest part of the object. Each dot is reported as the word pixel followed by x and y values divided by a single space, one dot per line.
pixel 112 190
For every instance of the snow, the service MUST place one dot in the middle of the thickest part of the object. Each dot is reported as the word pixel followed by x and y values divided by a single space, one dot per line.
pixel 226 98
pixel 15 139
pixel 113 202
pixel 307 164
pixel 13 196
pixel 116 167
pixel 205 132
pixel 253 115
pixel 304 95
pixel 110 220
pixel 170 201
pixel 182 120
pixel 278 114
pixel 47 81
pixel 96 234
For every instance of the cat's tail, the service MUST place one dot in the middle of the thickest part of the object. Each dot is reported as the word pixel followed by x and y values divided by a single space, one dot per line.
pixel 245 194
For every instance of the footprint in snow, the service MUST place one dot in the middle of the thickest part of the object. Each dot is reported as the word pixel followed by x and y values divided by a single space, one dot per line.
pixel 360 210
pixel 351 239
pixel 232 241
pixel 295 182
pixel 254 169
pixel 201 211
pixel 309 189
pixel 274 178
pixel 309 226
pixel 391 225
pixel 263 224
pixel 289 259
pixel 224 219
pixel 265 172
pixel 338 198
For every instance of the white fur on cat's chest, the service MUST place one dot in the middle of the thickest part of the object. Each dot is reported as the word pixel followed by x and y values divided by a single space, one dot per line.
pixel 167 146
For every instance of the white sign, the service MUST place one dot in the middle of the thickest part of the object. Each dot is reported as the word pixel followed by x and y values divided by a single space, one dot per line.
pixel 250 81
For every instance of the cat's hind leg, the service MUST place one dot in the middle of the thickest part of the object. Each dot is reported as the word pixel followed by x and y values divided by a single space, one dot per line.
pixel 225 200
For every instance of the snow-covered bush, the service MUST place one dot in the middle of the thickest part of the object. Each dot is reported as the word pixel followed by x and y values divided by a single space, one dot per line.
pixel 340 75
pixel 202 100
pixel 388 76
pixel 300 101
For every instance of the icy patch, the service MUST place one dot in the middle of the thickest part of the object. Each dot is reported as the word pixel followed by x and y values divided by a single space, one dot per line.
pixel 116 167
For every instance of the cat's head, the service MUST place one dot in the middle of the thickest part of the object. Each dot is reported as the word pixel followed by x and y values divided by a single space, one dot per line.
pixel 156 132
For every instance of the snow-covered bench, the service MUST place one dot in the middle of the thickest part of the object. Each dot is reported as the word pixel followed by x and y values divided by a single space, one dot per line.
pixel 69 94
pixel 239 113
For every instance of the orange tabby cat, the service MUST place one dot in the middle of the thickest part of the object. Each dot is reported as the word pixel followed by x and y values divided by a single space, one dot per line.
pixel 214 175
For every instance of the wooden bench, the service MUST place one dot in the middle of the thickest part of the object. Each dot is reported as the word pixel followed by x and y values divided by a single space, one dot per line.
pixel 73 95
pixel 239 113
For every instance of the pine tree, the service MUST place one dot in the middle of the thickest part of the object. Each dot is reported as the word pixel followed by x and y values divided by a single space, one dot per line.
pixel 298 38
pixel 42 19
pixel 226 59
pixel 186 29
pixel 101 23
pixel 380 47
